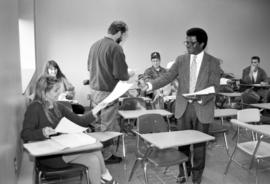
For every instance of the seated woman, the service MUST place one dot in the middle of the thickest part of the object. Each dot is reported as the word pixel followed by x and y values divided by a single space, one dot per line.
pixel 67 90
pixel 43 115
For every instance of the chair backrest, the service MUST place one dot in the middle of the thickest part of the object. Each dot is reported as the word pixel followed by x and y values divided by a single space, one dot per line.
pixel 149 123
pixel 133 103
pixel 249 115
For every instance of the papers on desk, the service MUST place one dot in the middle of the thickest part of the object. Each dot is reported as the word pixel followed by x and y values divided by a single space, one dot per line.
pixel 67 126
pixel 205 91
pixel 58 143
pixel 74 140
pixel 119 90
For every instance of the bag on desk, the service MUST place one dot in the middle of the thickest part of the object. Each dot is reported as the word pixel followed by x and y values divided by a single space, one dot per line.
pixel 249 96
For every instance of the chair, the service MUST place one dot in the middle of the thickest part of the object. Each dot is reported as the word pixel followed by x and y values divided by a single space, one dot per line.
pixel 73 173
pixel 223 131
pixel 130 103
pixel 257 149
pixel 154 123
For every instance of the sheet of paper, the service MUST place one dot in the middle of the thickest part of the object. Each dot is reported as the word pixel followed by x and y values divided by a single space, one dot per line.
pixel 74 140
pixel 119 90
pixel 67 126
pixel 43 147
pixel 205 91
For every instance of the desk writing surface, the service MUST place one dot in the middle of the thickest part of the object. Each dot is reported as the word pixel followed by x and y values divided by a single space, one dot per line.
pixel 164 140
pixel 225 113
pixel 256 85
pixel 234 94
pixel 133 114
pixel 261 129
pixel 104 136
pixel 60 150
pixel 261 105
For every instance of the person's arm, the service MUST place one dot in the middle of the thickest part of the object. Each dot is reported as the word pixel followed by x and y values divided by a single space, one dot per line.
pixel 32 128
pixel 214 80
pixel 245 76
pixel 82 120
pixel 69 88
pixel 120 68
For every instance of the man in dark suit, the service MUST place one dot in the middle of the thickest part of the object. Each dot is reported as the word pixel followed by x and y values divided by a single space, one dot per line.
pixel 253 74
pixel 194 71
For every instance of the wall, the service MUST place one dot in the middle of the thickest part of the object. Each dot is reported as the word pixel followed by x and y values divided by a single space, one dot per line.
pixel 66 29
pixel 11 101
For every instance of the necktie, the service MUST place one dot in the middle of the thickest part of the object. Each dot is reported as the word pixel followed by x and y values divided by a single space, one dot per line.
pixel 193 75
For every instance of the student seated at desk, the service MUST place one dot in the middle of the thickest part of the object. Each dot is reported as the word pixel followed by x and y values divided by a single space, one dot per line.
pixel 43 115
pixel 67 90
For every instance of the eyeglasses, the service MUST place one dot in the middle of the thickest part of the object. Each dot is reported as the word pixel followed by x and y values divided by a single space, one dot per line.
pixel 190 43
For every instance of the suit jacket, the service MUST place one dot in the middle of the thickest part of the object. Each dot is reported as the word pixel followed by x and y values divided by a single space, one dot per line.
pixel 261 76
pixel 209 75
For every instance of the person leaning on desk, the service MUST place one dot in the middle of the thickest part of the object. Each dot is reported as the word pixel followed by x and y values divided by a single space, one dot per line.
pixel 43 115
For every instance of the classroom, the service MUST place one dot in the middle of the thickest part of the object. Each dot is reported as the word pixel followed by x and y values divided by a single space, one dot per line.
pixel 34 32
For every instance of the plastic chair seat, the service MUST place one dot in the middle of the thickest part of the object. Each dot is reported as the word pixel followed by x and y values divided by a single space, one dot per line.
pixel 249 147
pixel 168 157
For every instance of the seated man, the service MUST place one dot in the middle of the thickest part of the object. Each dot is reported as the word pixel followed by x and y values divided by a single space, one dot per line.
pixel 253 74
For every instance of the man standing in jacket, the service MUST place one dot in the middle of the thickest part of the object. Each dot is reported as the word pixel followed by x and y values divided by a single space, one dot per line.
pixel 194 71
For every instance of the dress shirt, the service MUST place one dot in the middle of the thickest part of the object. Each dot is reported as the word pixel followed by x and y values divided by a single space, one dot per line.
pixel 198 61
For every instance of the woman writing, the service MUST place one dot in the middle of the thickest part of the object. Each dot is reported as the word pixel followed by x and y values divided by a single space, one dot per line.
pixel 43 115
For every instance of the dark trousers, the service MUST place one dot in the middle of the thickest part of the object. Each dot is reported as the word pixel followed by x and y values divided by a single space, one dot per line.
pixel 189 121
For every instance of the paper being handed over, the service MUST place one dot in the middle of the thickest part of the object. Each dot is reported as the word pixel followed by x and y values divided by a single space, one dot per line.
pixel 67 126
pixel 205 91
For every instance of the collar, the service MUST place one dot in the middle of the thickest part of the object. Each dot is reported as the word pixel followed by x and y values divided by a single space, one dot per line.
pixel 199 56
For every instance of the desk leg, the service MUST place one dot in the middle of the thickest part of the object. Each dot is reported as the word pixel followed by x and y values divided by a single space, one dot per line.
pixel 255 151
pixel 169 123
pixel 192 155
pixel 124 145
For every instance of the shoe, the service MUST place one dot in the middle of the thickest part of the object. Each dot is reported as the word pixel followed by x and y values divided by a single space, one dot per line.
pixel 181 179
pixel 112 181
pixel 113 160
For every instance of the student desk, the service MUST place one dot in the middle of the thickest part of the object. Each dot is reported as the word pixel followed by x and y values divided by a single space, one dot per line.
pixel 229 96
pixel 91 147
pixel 261 105
pixel 257 149
pixel 164 140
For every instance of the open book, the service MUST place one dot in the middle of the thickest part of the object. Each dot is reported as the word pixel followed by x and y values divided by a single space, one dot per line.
pixel 58 143
pixel 205 91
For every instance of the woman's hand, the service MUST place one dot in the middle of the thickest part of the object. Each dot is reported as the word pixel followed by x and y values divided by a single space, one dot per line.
pixel 48 131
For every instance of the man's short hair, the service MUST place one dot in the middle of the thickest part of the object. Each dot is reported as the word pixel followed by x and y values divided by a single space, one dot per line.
pixel 117 26
pixel 256 58
pixel 200 34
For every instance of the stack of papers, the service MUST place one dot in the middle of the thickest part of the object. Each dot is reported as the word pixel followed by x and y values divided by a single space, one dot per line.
pixel 205 91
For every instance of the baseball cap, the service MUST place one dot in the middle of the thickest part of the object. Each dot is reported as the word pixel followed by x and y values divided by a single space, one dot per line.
pixel 155 55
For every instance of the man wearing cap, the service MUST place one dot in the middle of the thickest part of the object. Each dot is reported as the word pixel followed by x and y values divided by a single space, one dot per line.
pixel 154 71
pixel 194 71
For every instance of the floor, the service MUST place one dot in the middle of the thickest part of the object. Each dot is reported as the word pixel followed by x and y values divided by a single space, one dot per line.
pixel 213 174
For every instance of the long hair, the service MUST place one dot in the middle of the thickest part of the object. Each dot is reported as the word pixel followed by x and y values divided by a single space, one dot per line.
pixel 52 63
pixel 44 84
